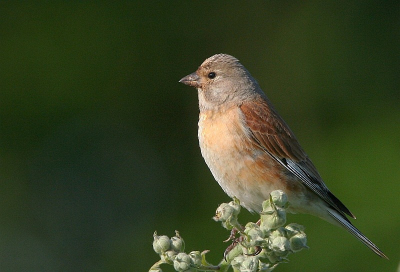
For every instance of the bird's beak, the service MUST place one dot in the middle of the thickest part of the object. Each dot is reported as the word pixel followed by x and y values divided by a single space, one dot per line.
pixel 191 80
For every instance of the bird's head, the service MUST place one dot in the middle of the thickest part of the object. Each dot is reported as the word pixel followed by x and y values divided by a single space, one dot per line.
pixel 222 79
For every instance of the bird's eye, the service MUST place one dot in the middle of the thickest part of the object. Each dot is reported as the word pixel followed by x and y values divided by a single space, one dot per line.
pixel 211 75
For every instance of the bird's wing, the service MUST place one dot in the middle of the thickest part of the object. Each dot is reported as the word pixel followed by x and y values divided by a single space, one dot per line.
pixel 273 135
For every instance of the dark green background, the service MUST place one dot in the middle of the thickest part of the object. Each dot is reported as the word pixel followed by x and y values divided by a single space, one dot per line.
pixel 98 140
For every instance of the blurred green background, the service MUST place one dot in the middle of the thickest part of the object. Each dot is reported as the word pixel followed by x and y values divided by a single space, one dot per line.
pixel 98 140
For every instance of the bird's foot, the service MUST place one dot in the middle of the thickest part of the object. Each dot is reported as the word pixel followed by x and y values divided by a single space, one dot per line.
pixel 235 242
pixel 258 251
pixel 232 236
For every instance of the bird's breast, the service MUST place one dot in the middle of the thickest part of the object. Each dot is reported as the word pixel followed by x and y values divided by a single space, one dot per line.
pixel 241 168
pixel 221 133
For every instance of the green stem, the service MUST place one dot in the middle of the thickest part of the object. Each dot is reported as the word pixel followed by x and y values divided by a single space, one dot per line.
pixel 156 266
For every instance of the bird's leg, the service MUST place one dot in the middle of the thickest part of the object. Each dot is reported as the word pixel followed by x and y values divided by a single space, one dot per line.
pixel 229 248
pixel 235 241
pixel 232 236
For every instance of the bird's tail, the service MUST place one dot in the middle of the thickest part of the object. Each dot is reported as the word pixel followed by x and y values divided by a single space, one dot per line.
pixel 343 221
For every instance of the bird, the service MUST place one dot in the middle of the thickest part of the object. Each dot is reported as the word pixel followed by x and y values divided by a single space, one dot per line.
pixel 251 151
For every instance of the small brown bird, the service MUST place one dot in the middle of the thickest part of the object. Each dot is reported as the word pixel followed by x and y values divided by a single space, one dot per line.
pixel 251 151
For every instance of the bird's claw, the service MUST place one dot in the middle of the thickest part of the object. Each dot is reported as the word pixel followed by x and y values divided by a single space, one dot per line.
pixel 258 251
pixel 232 236
pixel 229 248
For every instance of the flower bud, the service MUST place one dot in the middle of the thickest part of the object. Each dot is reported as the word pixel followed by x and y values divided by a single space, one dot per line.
pixel 177 243
pixel 161 243
pixel 227 213
pixel 272 219
pixel 298 242
pixel 255 237
pixel 272 257
pixel 168 256
pixel 279 198
pixel 293 229
pixel 236 262
pixel 226 210
pixel 273 214
pixel 250 264
pixel 223 212
pixel 245 263
pixel 182 262
pixel 196 258
pixel 281 246
pixel 279 232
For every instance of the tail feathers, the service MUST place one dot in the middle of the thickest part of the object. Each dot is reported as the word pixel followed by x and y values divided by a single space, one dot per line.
pixel 353 230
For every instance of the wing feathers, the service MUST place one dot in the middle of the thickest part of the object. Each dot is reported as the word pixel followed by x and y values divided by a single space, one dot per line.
pixel 272 134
